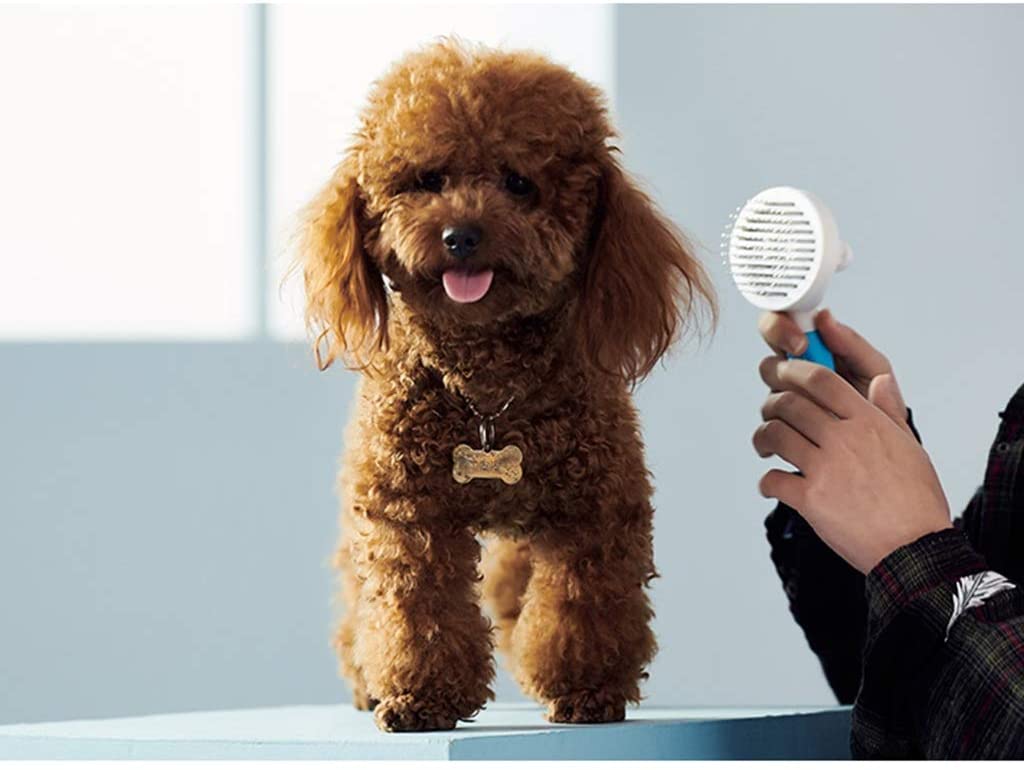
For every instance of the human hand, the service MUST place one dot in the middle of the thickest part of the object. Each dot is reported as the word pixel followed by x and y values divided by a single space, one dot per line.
pixel 857 361
pixel 867 487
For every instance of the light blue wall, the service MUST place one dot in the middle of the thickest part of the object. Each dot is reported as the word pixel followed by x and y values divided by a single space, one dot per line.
pixel 167 516
pixel 166 511
pixel 909 122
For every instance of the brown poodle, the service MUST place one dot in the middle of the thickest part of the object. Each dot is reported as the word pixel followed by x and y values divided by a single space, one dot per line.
pixel 484 260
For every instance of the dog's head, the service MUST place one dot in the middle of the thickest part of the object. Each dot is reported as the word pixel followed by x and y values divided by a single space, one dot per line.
pixel 482 188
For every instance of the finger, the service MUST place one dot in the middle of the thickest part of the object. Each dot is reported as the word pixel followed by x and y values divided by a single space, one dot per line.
pixel 771 369
pixel 884 392
pixel 799 412
pixel 782 334
pixel 776 438
pixel 768 369
pixel 785 487
pixel 820 384
pixel 861 358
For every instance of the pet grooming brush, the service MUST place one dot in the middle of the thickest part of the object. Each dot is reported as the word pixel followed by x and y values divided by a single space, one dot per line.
pixel 783 248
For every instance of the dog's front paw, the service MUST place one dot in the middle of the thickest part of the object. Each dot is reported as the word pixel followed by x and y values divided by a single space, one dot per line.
pixel 407 713
pixel 587 707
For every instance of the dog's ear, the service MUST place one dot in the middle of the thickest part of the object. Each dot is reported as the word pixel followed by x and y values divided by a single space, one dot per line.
pixel 641 281
pixel 346 304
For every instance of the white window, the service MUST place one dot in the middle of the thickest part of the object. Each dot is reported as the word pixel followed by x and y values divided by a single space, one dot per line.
pixel 323 60
pixel 123 168
pixel 142 148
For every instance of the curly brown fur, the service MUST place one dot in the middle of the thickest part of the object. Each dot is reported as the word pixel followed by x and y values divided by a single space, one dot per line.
pixel 591 285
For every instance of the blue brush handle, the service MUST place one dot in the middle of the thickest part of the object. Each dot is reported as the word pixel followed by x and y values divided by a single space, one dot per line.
pixel 817 352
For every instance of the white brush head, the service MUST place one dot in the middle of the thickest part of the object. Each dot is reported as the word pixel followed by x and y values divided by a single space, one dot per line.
pixel 783 248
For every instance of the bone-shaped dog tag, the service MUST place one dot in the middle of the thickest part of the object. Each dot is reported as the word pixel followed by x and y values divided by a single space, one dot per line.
pixel 505 464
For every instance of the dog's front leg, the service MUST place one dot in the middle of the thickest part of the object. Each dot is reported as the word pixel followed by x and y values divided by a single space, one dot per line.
pixel 422 642
pixel 583 638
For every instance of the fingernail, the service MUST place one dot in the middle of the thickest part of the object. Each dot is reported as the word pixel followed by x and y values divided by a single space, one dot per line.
pixel 798 344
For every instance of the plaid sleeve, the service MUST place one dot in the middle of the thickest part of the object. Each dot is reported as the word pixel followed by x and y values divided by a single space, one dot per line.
pixel 921 696
pixel 826 595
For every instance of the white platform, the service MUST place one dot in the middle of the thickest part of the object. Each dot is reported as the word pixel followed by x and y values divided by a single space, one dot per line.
pixel 502 731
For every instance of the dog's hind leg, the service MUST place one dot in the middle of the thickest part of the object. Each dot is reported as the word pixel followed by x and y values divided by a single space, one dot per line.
pixel 506 570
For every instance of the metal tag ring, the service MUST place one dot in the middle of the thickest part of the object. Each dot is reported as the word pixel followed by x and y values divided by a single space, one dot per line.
pixel 487 433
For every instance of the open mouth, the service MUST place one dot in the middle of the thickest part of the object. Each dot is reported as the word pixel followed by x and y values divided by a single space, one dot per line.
pixel 464 285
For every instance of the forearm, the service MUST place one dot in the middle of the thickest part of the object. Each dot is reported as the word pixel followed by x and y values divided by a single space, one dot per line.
pixel 826 598
pixel 923 695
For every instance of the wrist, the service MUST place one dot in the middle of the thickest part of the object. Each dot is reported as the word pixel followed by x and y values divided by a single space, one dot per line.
pixel 903 539
pixel 908 572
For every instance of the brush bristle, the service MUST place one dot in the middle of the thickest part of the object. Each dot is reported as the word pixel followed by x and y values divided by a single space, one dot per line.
pixel 771 247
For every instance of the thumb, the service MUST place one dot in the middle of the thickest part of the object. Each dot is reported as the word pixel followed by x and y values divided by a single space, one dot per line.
pixel 885 394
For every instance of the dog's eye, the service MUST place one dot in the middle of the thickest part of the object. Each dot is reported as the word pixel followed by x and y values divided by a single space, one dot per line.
pixel 518 185
pixel 430 181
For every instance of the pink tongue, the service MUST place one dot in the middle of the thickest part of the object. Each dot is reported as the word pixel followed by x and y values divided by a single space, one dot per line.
pixel 463 286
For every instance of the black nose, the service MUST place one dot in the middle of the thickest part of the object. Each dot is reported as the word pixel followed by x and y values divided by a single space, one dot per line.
pixel 461 242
